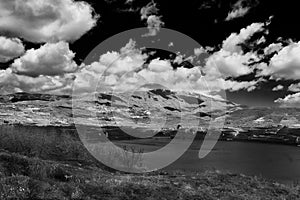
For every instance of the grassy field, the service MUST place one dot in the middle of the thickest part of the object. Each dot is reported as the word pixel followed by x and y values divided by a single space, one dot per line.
pixel 55 165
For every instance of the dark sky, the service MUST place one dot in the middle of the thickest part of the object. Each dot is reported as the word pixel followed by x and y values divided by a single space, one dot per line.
pixel 206 25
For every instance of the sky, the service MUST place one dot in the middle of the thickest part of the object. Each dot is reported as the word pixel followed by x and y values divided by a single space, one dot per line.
pixel 245 51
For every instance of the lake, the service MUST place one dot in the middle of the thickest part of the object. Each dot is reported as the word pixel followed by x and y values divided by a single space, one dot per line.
pixel 270 161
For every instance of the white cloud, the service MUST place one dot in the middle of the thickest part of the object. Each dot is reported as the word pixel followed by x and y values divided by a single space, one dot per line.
pixel 4 76
pixel 181 79
pixel 231 62
pixel 294 87
pixel 46 20
pixel 225 64
pixel 199 51
pixel 241 8
pixel 127 60
pixel 129 1
pixel 7 82
pixel 179 59
pixel 237 13
pixel 110 69
pixel 148 10
pixel 10 49
pixel 11 83
pixel 122 71
pixel 262 40
pixel 88 77
pixel 219 84
pixel 284 65
pixel 231 44
pixel 124 76
pixel 44 84
pixel 154 22
pixel 157 65
pixel 118 64
pixel 49 59
pixel 290 101
pixel 125 70
pixel 272 48
pixel 278 88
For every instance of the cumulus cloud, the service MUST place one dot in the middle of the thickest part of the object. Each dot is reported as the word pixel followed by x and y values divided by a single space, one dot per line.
pixel 10 49
pixel 120 71
pixel 294 87
pixel 221 84
pixel 117 64
pixel 44 84
pixel 181 79
pixel 51 69
pixel 158 65
pixel 127 60
pixel 126 71
pixel 292 100
pixel 236 86
pixel 231 44
pixel 110 69
pixel 7 82
pixel 46 20
pixel 11 83
pixel 231 62
pixel 49 59
pixel 284 65
pixel 278 88
pixel 225 64
pixel 154 22
pixel 88 77
pixel 273 48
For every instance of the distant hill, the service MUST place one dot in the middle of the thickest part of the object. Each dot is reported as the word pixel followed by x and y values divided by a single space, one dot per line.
pixel 138 107
pixel 249 117
pixel 22 96
pixel 148 106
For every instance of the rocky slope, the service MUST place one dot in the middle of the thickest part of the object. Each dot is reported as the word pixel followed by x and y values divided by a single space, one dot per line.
pixel 143 107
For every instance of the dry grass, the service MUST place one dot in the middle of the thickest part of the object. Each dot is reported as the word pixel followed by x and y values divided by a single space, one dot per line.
pixel 31 178
pixel 45 143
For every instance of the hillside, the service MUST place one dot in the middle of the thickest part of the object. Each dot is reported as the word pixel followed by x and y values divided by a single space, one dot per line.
pixel 141 108
pixel 126 109
pixel 265 117
pixel 22 177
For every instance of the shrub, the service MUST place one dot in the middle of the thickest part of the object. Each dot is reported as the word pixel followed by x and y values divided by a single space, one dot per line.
pixel 126 158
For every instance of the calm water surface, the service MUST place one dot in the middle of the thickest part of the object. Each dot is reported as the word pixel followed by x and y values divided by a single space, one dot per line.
pixel 271 161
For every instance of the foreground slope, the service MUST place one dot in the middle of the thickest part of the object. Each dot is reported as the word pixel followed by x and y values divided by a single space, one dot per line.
pixel 32 178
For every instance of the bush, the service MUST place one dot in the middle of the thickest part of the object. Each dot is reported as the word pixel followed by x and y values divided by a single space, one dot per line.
pixel 126 158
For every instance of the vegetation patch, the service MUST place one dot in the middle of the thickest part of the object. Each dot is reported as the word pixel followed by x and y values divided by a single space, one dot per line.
pixel 52 165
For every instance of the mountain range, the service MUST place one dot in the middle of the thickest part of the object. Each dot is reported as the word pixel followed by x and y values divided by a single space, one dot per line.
pixel 147 108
